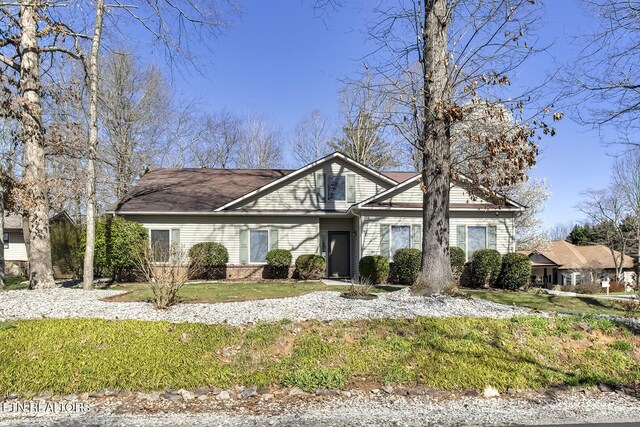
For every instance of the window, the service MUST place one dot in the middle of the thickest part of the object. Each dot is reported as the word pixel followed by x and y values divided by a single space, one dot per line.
pixel 477 239
pixel 160 245
pixel 5 240
pixel 258 246
pixel 336 188
pixel 400 237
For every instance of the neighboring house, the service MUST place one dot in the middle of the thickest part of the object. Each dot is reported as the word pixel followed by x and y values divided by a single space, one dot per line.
pixel 335 207
pixel 15 250
pixel 562 263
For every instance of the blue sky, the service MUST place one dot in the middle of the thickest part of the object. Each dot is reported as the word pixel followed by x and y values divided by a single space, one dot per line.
pixel 283 59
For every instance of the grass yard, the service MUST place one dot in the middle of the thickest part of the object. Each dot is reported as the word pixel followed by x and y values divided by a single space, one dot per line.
pixel 583 304
pixel 81 355
pixel 13 283
pixel 228 291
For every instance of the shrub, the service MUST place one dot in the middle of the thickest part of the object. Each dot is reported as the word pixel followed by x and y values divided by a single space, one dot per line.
pixel 374 268
pixel 278 262
pixel 617 286
pixel 485 267
pixel 311 267
pixel 457 261
pixel 515 272
pixel 65 248
pixel 279 258
pixel 588 288
pixel 117 243
pixel 407 264
pixel 210 258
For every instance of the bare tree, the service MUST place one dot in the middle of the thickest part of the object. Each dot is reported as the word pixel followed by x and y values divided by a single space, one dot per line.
pixel 605 79
pixel 92 77
pixel 435 59
pixel 310 138
pixel 626 182
pixel 559 231
pixel 135 116
pixel 217 144
pixel 260 145
pixel 365 114
pixel 608 209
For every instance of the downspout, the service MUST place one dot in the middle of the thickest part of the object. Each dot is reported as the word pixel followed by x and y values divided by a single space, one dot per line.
pixel 357 215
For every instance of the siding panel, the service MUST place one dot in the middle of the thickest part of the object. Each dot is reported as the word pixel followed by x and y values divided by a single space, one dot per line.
pixel 17 250
pixel 299 235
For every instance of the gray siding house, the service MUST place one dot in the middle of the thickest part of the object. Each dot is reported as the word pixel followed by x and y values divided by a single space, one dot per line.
pixel 335 207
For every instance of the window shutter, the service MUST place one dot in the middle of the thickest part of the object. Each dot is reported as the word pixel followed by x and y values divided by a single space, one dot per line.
pixel 273 239
pixel 351 188
pixel 417 236
pixel 175 244
pixel 462 238
pixel 493 237
pixel 320 180
pixel 384 240
pixel 244 246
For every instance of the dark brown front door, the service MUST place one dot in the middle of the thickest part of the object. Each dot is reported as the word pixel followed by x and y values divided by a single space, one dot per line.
pixel 339 254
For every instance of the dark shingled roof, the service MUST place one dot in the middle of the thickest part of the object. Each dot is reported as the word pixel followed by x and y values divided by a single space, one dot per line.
pixel 194 190
pixel 203 189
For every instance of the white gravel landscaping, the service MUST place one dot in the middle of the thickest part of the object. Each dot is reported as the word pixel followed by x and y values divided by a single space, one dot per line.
pixel 76 303
pixel 607 407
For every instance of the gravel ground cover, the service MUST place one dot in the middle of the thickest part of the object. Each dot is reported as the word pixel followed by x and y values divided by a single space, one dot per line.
pixel 575 407
pixel 75 303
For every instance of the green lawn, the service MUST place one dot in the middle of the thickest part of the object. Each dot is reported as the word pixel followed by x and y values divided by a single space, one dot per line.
pixel 228 291
pixel 583 304
pixel 81 355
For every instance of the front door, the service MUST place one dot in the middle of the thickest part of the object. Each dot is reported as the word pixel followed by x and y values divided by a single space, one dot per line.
pixel 339 254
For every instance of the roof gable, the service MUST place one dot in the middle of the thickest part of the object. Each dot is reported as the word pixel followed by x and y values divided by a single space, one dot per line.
pixel 408 195
pixel 304 171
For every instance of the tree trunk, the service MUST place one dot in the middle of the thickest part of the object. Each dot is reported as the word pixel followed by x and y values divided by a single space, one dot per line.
pixel 40 268
pixel 87 282
pixel 2 266
pixel 436 273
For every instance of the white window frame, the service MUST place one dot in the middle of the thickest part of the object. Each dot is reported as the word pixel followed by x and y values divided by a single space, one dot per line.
pixel 249 245
pixel 344 178
pixel 486 238
pixel 151 243
pixel 391 237
pixel 6 241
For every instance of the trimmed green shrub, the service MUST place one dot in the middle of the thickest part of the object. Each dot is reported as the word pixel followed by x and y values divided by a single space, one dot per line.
pixel 278 262
pixel 311 267
pixel 515 271
pixel 117 243
pixel 407 263
pixel 374 268
pixel 208 259
pixel 457 261
pixel 485 267
pixel 279 258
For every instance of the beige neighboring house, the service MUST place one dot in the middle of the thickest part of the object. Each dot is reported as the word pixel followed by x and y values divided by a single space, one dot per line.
pixel 563 263
pixel 335 207
pixel 15 250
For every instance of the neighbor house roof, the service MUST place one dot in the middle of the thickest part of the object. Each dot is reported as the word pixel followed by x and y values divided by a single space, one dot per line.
pixel 572 257
pixel 14 222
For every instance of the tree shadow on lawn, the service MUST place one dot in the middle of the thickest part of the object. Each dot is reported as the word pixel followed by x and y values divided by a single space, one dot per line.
pixel 500 355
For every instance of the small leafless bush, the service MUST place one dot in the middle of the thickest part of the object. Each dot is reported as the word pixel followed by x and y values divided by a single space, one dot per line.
pixel 631 306
pixel 166 270
pixel 360 286
pixel 589 288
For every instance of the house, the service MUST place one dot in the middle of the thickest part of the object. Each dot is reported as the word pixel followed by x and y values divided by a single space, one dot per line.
pixel 15 249
pixel 562 263
pixel 335 207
